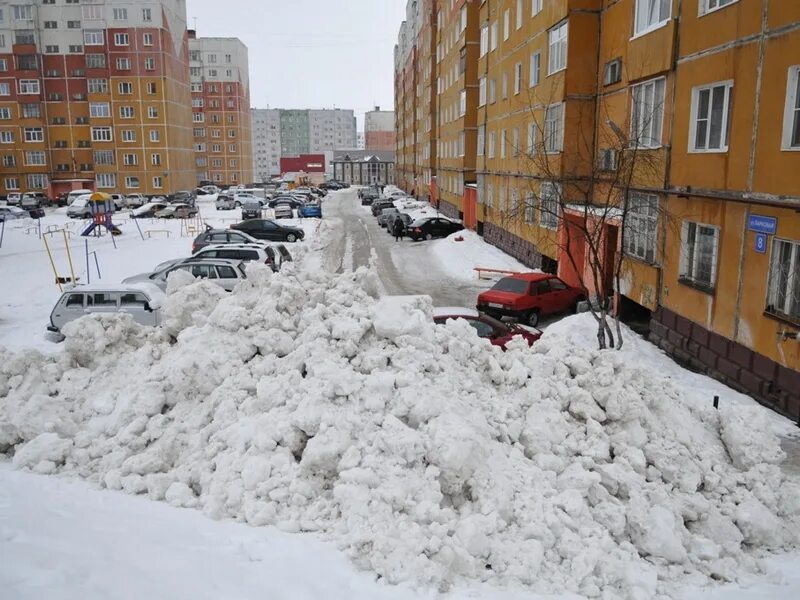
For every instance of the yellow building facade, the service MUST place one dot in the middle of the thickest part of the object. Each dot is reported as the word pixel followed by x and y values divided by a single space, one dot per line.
pixel 684 119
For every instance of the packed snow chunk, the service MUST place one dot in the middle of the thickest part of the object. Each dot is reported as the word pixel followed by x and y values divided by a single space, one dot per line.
pixel 188 303
pixel 323 451
pixel 42 454
pixel 394 316
pixel 655 531
pixel 761 527
pixel 747 437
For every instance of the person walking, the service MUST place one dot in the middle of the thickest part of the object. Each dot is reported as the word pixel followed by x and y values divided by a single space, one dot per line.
pixel 398 229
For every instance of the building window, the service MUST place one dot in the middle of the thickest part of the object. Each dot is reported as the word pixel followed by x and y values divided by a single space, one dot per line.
pixel 22 12
pixel 101 134
pixel 91 12
pixel 150 64
pixel 536 65
pixel 125 87
pixel 462 103
pixel 531 145
pixel 157 182
pixel 3 64
pixel 35 158
pixel 95 61
pixel 124 64
pixel 152 112
pixel 5 89
pixel 155 160
pixel 484 39
pixel 93 37
pixel 34 134
pixel 503 142
pixel 557 48
pixel 12 183
pixel 29 86
pixel 641 220
pixel 125 112
pixel 73 24
pixel 147 16
pixel 154 135
pixel 147 39
pixel 106 180
pixel 131 182
pixel 130 159
pixel 650 15
pixel 5 113
pixel 783 296
pixel 482 91
pixel 791 119
pixel 231 147
pixel 699 254
pixel 493 36
pixel 104 157
pixel 506 24
pixel 707 6
pixel 536 7
pixel 76 49
pixel 120 14
pixel 37 181
pixel 51 24
pixel 9 160
pixel 648 113
pixel 711 106
pixel 31 111
pixel 51 49
pixel 6 137
pixel 151 88
pixel 515 141
pixel 121 39
pixel 128 135
pixel 97 86
pixel 231 133
pixel 99 109
pixel 215 133
pixel 549 194
pixel 554 128
pixel 530 207
pixel 517 78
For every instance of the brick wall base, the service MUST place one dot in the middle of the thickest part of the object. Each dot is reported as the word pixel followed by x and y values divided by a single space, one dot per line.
pixel 523 250
pixel 737 366
pixel 448 209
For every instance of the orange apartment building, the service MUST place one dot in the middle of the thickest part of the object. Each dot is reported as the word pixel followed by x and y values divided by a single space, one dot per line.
pixel 219 75
pixel 95 96
pixel 704 95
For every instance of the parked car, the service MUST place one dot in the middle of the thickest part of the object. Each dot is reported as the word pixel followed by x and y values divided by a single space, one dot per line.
pixel 264 229
pixel 312 209
pixel 177 211
pixel 32 204
pixel 149 210
pixel 61 199
pixel 379 205
pixel 529 296
pixel 292 201
pixel 74 194
pixel 79 208
pixel 224 202
pixel 9 213
pixel 383 216
pixel 119 200
pixel 135 200
pixel 240 198
pixel 141 300
pixel 283 211
pixel 262 253
pixel 432 227
pixel 206 190
pixel 224 273
pixel 251 208
pixel 13 198
pixel 404 217
pixel 497 332
pixel 183 197
pixel 222 236
pixel 35 200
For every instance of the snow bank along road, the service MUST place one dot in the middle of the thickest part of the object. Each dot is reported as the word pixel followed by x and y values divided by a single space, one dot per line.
pixel 427 455
pixel 403 267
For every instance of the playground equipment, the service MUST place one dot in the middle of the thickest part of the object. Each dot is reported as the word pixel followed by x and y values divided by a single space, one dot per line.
pixel 102 207
pixel 59 278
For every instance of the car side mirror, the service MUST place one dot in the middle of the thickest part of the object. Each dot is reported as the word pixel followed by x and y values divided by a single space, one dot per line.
pixel 147 307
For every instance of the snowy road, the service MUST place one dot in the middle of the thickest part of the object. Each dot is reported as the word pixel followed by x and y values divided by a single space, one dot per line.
pixel 404 267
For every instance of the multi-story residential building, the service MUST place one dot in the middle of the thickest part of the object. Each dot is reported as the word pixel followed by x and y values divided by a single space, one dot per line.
pixel 219 76
pixel 281 133
pixel 405 93
pixel 95 95
pixel 379 130
pixel 427 111
pixel 684 117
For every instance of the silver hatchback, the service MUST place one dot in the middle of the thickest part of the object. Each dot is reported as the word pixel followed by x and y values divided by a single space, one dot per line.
pixel 224 273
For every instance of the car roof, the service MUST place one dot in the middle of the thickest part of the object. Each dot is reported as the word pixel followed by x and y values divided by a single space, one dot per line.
pixel 454 311
pixel 237 246
pixel 138 286
pixel 212 261
pixel 531 276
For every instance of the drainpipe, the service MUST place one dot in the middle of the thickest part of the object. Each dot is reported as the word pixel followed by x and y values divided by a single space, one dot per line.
pixel 485 117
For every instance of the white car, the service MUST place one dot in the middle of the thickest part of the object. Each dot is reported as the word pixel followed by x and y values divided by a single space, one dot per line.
pixel 141 300
pixel 224 202
pixel 13 198
pixel 135 200
pixel 7 213
pixel 224 273
pixel 262 253
pixel 79 208
pixel 75 194
pixel 240 198
pixel 283 211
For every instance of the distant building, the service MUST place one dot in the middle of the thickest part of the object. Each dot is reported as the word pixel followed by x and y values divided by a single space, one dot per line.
pixel 360 141
pixel 281 133
pixel 309 163
pixel 379 133
pixel 218 71
pixel 362 167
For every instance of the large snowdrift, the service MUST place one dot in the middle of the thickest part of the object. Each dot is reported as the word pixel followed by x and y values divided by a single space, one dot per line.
pixel 426 454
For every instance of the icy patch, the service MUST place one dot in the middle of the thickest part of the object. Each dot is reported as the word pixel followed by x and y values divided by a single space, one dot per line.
pixel 429 456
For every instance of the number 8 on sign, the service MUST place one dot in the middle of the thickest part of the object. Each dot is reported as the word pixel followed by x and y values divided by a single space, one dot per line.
pixel 761 243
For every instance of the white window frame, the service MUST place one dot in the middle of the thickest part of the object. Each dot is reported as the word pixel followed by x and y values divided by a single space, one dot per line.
pixel 122 85
pixel 647 129
pixel 529 210
pixel 39 156
pixel 482 90
pixel 503 142
pixel 557 44
pixel 126 112
pixel 484 39
pixel 549 218
pixel 791 281
pixel 132 182
pixel 536 7
pixel 29 87
pixel 517 78
pixel 518 15
pixel 122 39
pixel 655 8
pixel 106 180
pixel 506 24
pixel 33 134
pixel 530 145
pixel 641 226
pixel 791 116
pixel 726 111
pixel 690 260
pixel 102 134
pixel 155 136
pixel 147 39
pixel 554 139
pixel 535 68
pixel 493 36
pixel 128 136
pixel 93 37
pixel 99 109
pixel 130 160
pixel 710 6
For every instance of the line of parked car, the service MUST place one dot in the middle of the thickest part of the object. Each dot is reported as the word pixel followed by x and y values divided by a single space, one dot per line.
pixel 307 201
pixel 417 220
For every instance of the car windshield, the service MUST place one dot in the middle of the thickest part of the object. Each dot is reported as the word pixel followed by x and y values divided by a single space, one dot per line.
pixel 510 284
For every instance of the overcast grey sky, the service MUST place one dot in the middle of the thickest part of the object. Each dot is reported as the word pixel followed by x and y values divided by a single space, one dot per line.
pixel 310 53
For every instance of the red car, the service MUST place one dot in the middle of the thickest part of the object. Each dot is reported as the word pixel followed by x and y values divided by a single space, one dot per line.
pixel 529 296
pixel 498 333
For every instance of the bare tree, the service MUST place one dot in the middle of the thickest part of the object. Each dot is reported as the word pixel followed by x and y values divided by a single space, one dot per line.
pixel 585 188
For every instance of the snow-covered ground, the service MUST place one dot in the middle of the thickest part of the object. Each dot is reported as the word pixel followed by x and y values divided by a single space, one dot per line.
pixel 425 455
pixel 460 257
pixel 27 279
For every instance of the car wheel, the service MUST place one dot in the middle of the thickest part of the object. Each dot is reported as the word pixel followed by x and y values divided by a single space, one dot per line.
pixel 291 237
pixel 237 205
pixel 532 318
pixel 428 236
pixel 577 302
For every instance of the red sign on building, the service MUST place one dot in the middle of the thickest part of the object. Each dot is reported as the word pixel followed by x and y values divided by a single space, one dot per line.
pixel 308 163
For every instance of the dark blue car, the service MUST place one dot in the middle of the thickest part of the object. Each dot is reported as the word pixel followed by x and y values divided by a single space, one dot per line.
pixel 310 210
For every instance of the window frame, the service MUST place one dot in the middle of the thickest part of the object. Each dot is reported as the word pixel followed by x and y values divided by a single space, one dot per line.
pixel 655 26
pixel 548 147
pixel 685 259
pixel 703 8
pixel 641 225
pixel 564 24
pixel 637 128
pixel 792 291
pixel 727 111
pixel 791 111
pixel 545 217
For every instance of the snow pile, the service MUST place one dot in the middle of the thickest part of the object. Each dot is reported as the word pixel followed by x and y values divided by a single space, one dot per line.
pixel 425 453
pixel 459 254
